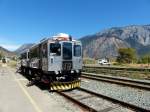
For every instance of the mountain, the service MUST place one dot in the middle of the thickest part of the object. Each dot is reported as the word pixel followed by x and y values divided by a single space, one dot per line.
pixel 6 52
pixel 106 43
pixel 23 47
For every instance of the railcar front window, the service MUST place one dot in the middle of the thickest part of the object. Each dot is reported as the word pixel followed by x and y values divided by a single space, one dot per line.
pixel 55 48
pixel 77 50
pixel 67 51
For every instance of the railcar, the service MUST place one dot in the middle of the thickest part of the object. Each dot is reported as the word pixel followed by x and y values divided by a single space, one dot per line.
pixel 56 61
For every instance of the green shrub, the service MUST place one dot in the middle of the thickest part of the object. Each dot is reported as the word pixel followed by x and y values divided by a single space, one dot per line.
pixel 144 59
pixel 126 55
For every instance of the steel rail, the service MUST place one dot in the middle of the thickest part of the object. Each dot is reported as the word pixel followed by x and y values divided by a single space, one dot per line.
pixel 118 68
pixel 122 103
pixel 80 104
pixel 113 100
pixel 135 84
pixel 115 78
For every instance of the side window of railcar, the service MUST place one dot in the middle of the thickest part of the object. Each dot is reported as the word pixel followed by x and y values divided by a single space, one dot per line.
pixel 23 56
pixel 55 49
pixel 77 50
pixel 44 50
pixel 34 53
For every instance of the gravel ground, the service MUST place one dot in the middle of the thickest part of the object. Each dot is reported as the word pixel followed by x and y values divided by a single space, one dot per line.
pixel 36 92
pixel 135 96
pixel 99 104
pixel 49 100
pixel 128 94
pixel 64 102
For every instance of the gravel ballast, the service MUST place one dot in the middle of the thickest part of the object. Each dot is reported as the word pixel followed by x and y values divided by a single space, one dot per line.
pixel 97 103
pixel 137 97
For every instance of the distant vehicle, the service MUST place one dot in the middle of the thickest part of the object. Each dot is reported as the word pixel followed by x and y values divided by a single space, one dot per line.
pixel 5 60
pixel 103 62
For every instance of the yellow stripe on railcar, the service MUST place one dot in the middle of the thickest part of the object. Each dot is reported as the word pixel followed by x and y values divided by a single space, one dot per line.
pixel 61 86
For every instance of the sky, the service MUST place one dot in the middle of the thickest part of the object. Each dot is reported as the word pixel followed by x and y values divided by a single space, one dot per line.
pixel 28 21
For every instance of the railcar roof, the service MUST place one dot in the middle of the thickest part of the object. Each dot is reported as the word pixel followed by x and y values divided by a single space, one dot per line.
pixel 51 39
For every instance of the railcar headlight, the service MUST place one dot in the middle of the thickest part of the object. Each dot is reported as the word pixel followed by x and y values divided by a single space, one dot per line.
pixel 56 72
pixel 72 71
pixel 77 71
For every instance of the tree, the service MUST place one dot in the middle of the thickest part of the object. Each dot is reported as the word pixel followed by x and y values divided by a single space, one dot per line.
pixel 145 59
pixel 126 55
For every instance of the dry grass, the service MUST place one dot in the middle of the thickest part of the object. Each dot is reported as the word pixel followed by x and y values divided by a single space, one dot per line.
pixel 89 61
pixel 122 73
pixel 138 65
pixel 12 63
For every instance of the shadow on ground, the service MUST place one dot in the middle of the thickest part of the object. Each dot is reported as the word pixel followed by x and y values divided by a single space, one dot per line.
pixel 40 85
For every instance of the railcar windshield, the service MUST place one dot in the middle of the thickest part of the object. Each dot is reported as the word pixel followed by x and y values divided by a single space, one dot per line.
pixel 55 49
pixel 67 51
pixel 77 50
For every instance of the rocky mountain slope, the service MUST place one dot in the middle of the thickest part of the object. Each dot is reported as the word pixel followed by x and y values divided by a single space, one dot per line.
pixel 22 48
pixel 106 43
pixel 6 53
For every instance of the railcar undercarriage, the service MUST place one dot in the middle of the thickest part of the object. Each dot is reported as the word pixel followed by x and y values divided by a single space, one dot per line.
pixel 64 81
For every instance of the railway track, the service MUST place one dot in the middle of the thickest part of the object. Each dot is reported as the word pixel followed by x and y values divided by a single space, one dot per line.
pixel 121 81
pixel 117 68
pixel 90 108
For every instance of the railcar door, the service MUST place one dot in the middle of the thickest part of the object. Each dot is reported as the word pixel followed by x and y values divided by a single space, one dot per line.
pixel 77 58
pixel 44 58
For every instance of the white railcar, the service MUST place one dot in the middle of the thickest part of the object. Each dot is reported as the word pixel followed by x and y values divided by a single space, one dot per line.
pixel 55 60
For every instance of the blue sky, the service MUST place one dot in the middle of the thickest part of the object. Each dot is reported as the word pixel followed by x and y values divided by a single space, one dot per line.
pixel 28 21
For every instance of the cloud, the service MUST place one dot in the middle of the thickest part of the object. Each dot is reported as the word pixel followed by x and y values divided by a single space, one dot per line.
pixel 10 47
